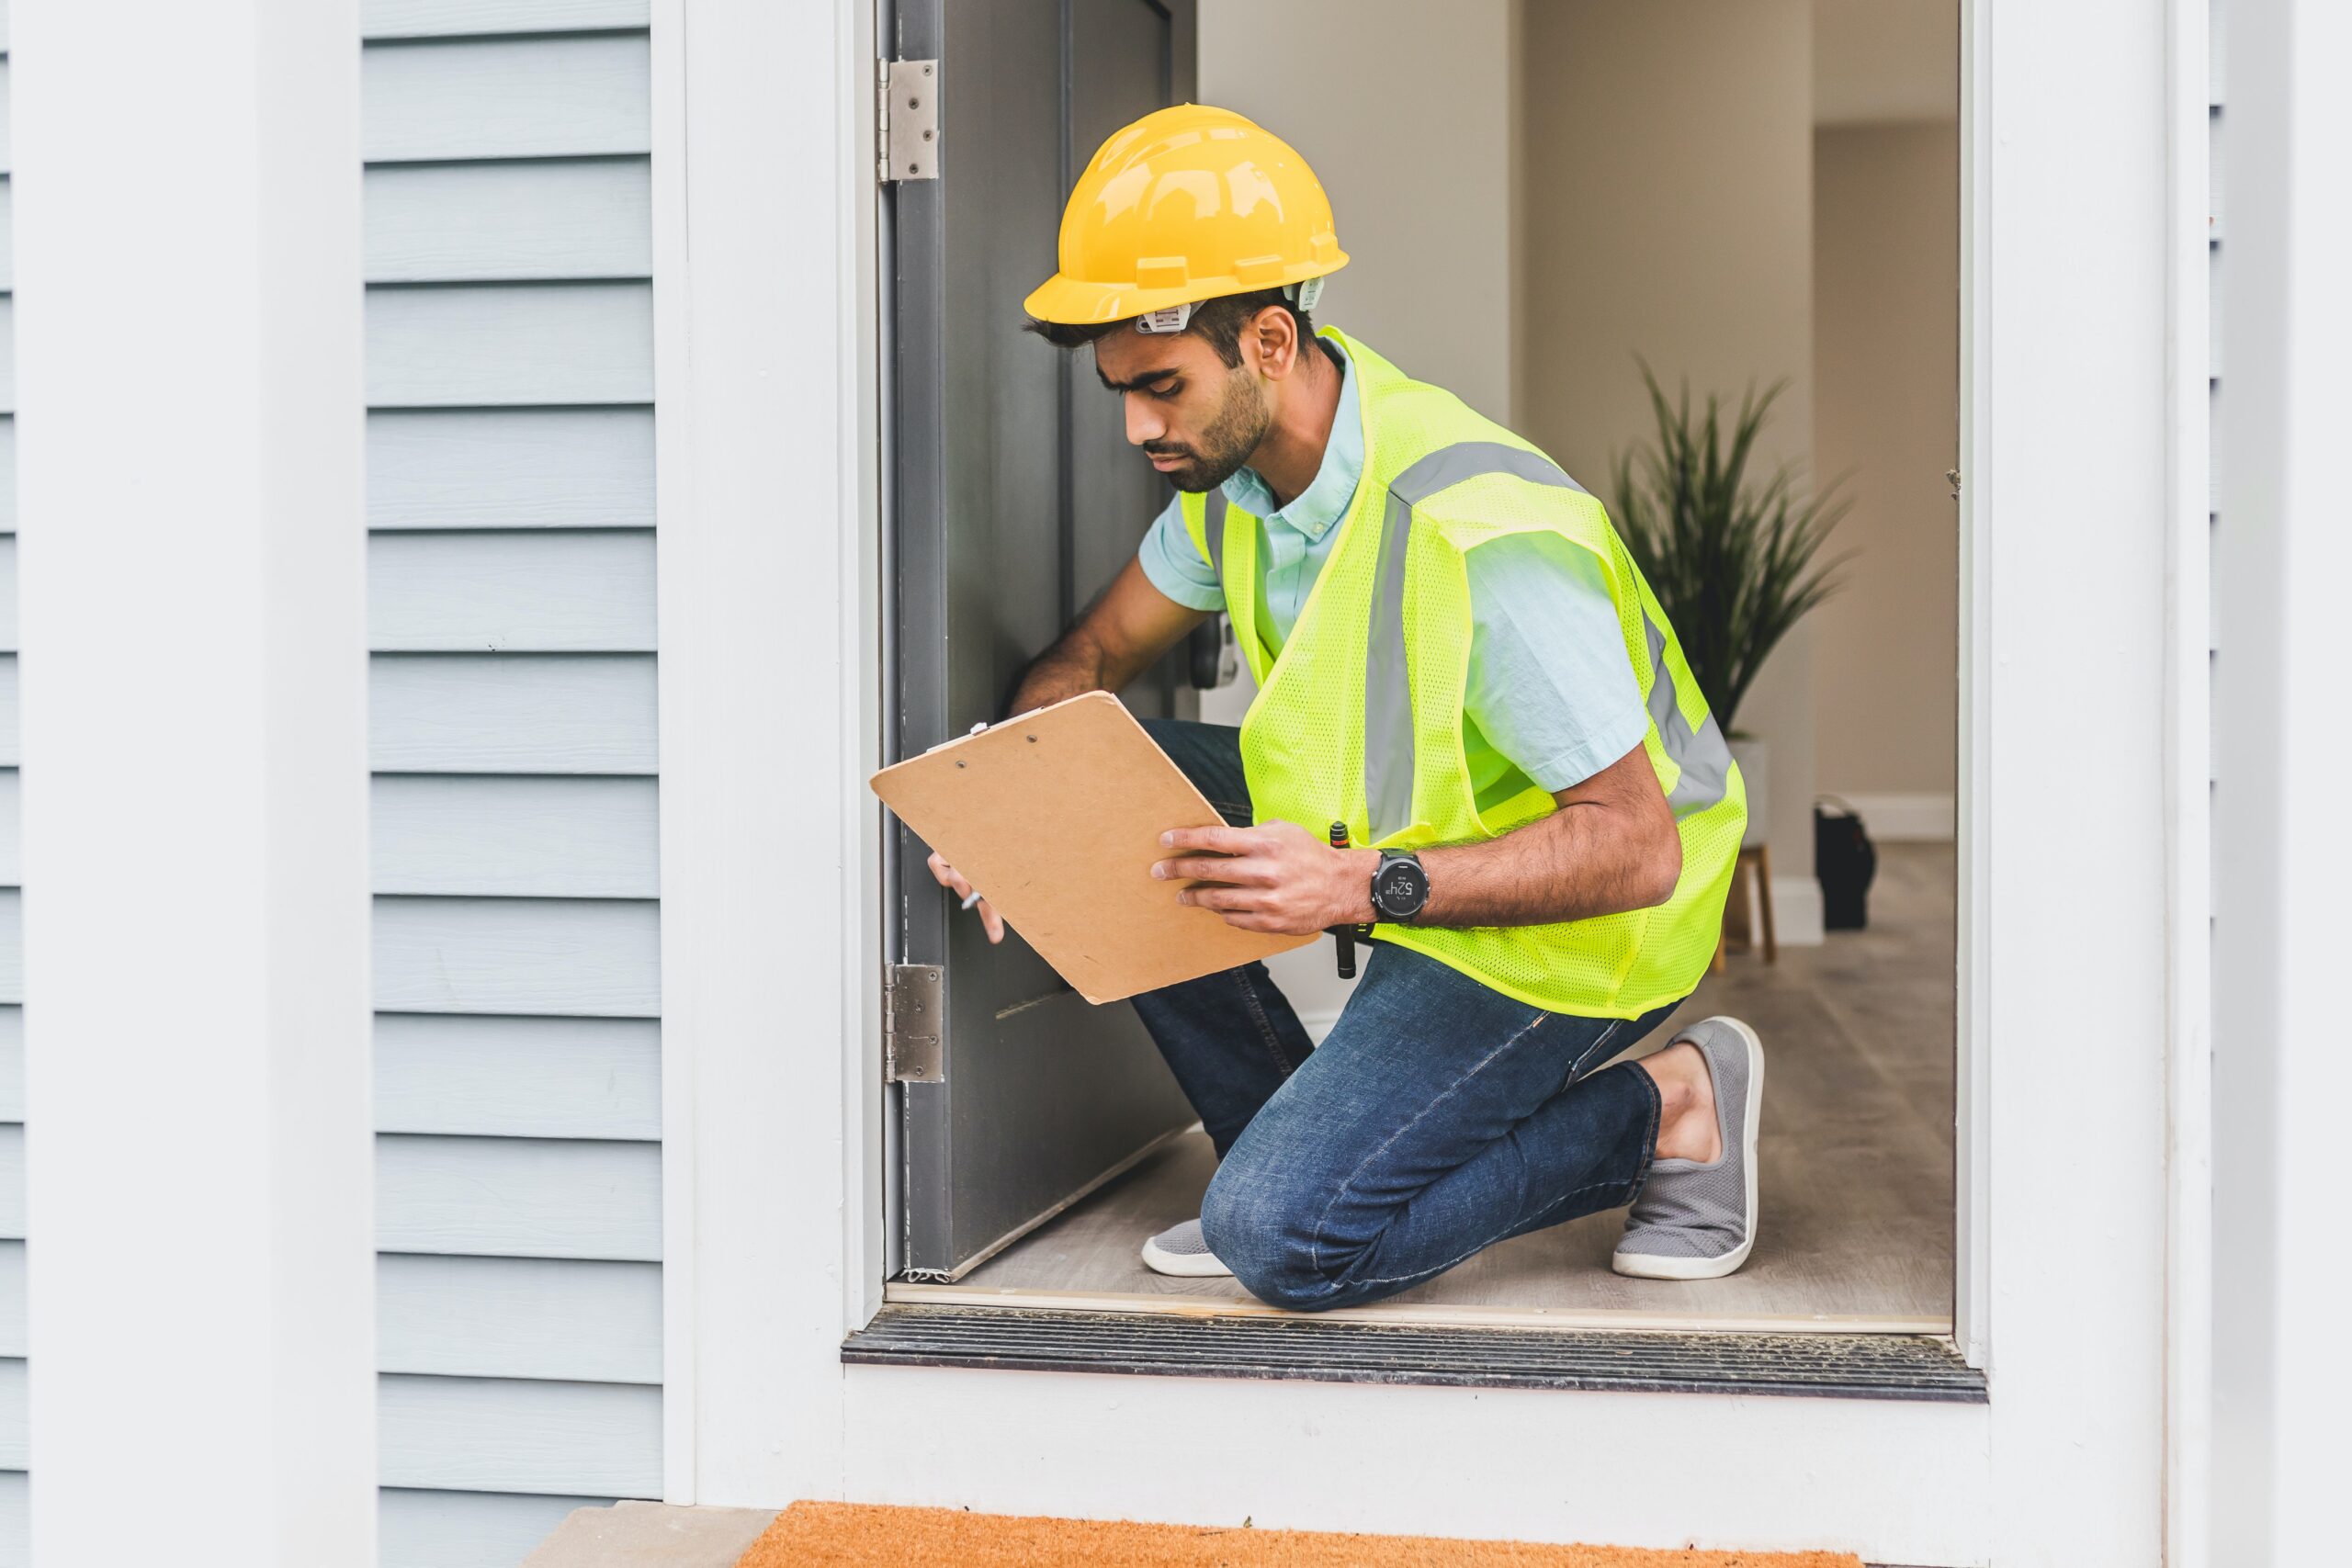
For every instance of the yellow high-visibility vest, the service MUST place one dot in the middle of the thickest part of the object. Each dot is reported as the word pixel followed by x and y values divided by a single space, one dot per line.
pixel 1359 719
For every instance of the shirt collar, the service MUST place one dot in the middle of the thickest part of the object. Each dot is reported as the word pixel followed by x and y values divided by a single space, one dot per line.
pixel 1326 500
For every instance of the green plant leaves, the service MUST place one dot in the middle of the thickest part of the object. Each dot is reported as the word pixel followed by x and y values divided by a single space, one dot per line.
pixel 1731 559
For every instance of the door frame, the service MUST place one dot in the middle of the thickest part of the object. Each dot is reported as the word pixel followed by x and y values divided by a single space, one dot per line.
pixel 2074 278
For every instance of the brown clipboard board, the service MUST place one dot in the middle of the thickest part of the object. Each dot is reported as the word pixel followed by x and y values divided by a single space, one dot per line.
pixel 1055 817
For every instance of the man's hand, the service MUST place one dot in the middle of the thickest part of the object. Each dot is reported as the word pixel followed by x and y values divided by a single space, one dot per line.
pixel 1278 879
pixel 952 880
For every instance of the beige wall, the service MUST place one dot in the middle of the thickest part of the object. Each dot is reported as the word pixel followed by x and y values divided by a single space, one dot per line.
pixel 1668 213
pixel 1404 109
pixel 1886 252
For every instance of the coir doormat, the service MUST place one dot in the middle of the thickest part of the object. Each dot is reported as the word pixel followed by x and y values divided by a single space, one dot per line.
pixel 853 1535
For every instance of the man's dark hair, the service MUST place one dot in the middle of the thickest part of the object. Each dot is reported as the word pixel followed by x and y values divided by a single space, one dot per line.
pixel 1218 321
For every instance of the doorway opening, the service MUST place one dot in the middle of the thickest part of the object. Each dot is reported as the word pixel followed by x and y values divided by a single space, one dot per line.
pixel 1733 193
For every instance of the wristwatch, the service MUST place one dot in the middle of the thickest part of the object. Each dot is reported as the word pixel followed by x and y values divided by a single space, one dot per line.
pixel 1400 889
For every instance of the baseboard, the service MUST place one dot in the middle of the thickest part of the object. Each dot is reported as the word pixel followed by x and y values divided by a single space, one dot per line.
pixel 1914 818
pixel 1796 911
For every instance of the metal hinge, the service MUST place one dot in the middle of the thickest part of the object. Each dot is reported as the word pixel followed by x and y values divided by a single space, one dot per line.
pixel 914 1019
pixel 906 127
pixel 1951 477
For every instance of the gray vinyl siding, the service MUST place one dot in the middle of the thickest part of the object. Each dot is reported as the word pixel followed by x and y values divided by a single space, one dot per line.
pixel 516 838
pixel 14 1533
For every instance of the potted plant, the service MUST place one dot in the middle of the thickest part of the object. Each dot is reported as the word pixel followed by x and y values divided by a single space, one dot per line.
pixel 1730 555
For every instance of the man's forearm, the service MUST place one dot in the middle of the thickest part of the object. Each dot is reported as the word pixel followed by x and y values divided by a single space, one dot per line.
pixel 1073 665
pixel 1584 860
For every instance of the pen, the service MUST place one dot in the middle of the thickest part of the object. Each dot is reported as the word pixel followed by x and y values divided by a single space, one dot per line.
pixel 1346 934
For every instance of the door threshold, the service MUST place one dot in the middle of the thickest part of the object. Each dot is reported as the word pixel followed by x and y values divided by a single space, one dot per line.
pixel 1605 1320
pixel 1207 1342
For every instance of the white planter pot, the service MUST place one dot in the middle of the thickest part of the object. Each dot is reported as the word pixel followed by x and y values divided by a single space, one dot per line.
pixel 1754 759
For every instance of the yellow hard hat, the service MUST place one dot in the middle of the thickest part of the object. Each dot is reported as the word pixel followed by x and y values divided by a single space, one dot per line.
pixel 1187 204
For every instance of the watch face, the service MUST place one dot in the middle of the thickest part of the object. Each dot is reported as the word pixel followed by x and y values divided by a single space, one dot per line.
pixel 1401 888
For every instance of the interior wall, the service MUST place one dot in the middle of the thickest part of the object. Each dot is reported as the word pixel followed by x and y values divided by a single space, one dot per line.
pixel 1667 175
pixel 1886 376
pixel 1404 109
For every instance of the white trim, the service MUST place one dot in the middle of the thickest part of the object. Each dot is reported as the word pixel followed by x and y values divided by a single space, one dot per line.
pixel 1972 912
pixel 674 480
pixel 2188 1165
pixel 196 801
pixel 1916 816
pixel 765 537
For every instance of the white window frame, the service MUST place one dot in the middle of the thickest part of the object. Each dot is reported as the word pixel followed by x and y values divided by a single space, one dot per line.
pixel 2081 991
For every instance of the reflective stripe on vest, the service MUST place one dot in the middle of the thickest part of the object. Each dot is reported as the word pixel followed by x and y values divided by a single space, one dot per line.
pixel 1701 756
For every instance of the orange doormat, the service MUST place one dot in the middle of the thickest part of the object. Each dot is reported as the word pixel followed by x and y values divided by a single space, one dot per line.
pixel 853 1535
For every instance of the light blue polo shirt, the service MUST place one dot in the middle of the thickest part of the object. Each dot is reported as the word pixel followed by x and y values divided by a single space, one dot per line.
pixel 1551 692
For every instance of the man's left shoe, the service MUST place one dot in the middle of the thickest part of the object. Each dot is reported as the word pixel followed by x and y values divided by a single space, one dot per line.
pixel 1697 1221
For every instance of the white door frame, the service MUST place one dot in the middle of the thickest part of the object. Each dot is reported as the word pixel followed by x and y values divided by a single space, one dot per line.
pixel 2085 598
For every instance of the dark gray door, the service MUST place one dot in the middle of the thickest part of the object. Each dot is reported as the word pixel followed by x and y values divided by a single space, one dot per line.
pixel 1017 499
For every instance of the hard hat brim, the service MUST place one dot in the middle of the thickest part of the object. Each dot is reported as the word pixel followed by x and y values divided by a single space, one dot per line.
pixel 1078 302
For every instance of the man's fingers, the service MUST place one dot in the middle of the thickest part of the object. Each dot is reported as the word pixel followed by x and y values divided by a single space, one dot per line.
pixel 1223 841
pixel 991 920
pixel 1214 896
pixel 1246 869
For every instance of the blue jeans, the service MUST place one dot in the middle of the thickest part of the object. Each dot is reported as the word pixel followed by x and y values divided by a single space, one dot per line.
pixel 1437 1118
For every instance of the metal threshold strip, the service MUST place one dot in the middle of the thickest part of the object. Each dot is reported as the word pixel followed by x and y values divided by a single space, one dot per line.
pixel 1824 1366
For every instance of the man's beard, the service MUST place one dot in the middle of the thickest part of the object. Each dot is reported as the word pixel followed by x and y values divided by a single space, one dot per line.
pixel 1242 422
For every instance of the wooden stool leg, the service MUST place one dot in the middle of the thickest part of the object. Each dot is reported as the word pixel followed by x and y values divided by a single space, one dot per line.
pixel 1764 900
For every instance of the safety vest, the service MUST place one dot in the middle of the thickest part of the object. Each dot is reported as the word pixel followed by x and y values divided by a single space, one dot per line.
pixel 1359 719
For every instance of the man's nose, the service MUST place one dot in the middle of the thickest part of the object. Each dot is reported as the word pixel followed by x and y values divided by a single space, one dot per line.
pixel 1144 423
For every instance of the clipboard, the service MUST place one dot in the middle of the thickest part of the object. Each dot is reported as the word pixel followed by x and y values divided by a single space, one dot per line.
pixel 1055 817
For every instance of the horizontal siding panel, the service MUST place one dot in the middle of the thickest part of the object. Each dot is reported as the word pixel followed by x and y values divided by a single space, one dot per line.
pixel 7 474
pixel 518 1077
pixel 503 1435
pixel 518 1198
pixel 12 1184
pixel 12 857
pixel 515 836
pixel 14 1448
pixel 502 468
pixel 7 594
pixel 471 222
pixel 7 354
pixel 7 150
pixel 12 1298
pixel 466 1530
pixel 435 18
pixel 8 234
pixel 10 750
pixel 519 1317
pixel 533 590
pixel 12 1064
pixel 549 956
pixel 506 98
pixel 505 713
pixel 12 945
pixel 510 344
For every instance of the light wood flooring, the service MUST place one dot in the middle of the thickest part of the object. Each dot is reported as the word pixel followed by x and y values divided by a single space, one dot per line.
pixel 1856 1173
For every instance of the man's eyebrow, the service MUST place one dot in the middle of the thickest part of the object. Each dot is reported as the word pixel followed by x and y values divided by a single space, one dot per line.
pixel 1139 384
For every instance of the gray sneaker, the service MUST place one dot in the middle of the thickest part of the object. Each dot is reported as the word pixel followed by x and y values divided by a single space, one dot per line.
pixel 1180 1250
pixel 1695 1221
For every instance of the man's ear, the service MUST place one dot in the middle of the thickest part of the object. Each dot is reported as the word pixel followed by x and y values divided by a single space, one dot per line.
pixel 1276 331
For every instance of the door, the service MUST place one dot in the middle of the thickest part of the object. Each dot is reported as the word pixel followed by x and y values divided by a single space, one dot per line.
pixel 1017 500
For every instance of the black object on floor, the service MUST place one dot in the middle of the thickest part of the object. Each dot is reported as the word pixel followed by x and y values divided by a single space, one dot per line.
pixel 1845 861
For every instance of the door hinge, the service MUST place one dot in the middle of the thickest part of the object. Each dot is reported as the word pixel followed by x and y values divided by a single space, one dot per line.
pixel 906 127
pixel 1951 477
pixel 914 1019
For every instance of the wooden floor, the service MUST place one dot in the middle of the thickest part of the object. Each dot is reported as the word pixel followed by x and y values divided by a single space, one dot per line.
pixel 1856 1175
